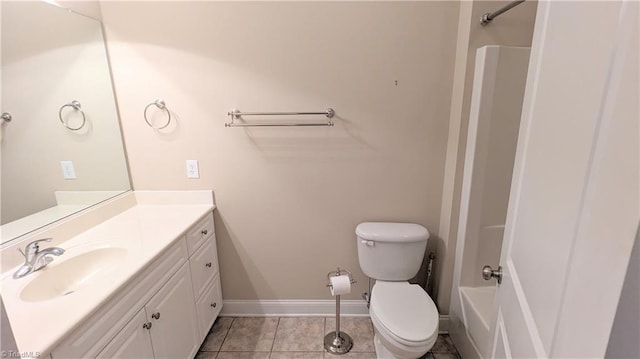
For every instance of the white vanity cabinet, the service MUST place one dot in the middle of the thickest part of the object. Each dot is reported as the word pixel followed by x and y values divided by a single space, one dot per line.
pixel 164 312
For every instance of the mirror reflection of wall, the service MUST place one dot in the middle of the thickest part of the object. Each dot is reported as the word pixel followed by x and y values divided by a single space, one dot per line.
pixel 51 57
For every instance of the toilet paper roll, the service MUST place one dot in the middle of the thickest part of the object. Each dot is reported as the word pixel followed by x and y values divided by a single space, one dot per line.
pixel 340 285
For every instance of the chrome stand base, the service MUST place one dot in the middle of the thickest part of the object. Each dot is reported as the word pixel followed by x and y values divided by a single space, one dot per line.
pixel 338 344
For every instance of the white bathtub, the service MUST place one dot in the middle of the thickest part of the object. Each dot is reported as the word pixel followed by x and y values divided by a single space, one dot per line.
pixel 477 304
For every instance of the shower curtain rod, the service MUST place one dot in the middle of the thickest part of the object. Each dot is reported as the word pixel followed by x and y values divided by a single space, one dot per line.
pixel 488 17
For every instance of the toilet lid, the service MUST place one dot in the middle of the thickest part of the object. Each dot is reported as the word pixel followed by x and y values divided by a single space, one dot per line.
pixel 405 310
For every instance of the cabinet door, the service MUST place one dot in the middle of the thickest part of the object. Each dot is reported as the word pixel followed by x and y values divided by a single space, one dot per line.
pixel 132 342
pixel 174 331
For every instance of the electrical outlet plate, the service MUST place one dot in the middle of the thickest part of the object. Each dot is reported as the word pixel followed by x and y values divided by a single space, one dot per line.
pixel 68 172
pixel 192 169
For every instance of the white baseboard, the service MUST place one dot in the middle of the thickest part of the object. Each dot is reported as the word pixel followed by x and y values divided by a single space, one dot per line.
pixel 303 308
pixel 292 308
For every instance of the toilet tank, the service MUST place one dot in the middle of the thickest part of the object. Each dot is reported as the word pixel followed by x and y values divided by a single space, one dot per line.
pixel 391 251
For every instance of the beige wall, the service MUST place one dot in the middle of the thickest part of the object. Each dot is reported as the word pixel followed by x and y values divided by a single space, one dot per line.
pixel 289 198
pixel 514 28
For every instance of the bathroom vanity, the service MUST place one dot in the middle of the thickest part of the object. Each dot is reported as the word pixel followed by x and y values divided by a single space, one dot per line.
pixel 139 274
pixel 141 281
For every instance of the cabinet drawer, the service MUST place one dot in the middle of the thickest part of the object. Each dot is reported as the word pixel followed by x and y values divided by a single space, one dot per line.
pixel 209 306
pixel 199 233
pixel 204 266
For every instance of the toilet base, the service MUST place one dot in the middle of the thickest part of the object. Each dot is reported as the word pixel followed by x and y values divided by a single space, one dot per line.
pixel 383 353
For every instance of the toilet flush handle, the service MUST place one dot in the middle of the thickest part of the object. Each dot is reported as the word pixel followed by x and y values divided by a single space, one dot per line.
pixel 368 243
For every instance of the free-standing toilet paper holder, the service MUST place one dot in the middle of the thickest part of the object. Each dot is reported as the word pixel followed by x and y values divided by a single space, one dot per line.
pixel 338 342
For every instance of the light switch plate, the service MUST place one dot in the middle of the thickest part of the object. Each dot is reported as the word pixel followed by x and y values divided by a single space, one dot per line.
pixel 192 169
pixel 68 172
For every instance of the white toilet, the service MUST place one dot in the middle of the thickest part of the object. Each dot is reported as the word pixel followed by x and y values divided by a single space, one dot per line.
pixel 404 317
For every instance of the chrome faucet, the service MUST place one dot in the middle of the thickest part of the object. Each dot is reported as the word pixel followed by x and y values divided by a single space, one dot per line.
pixel 36 259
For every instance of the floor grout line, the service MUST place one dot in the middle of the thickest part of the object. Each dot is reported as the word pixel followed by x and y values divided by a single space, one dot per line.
pixel 233 320
pixel 275 335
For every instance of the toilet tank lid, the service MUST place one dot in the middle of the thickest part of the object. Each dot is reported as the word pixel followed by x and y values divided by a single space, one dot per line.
pixel 392 232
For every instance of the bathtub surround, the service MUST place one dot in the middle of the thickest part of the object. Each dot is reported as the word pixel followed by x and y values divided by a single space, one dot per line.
pixel 514 28
pixel 288 199
pixel 573 201
pixel 501 73
pixel 499 84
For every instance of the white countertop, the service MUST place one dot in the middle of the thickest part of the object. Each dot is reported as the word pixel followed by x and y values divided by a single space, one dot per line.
pixel 143 230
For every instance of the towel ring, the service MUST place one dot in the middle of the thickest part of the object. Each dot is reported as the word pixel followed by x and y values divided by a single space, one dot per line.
pixel 76 106
pixel 161 105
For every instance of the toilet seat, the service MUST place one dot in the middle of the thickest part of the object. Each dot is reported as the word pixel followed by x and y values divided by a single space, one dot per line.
pixel 404 313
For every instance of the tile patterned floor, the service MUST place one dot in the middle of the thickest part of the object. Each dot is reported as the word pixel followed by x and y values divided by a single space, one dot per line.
pixel 296 338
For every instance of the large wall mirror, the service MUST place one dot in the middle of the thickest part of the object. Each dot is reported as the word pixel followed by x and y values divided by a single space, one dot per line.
pixel 62 150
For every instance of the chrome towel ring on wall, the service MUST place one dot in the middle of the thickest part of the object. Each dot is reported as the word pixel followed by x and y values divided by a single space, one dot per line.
pixel 162 106
pixel 76 106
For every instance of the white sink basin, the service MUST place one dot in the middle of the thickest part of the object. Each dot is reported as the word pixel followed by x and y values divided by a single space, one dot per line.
pixel 69 275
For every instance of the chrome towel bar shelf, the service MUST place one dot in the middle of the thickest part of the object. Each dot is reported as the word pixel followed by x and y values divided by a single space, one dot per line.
pixel 236 114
